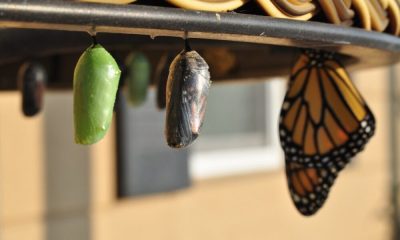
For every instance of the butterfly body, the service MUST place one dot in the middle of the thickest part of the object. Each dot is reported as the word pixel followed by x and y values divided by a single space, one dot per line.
pixel 324 122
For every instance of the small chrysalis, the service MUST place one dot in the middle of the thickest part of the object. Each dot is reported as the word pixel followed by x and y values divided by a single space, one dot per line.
pixel 161 77
pixel 96 79
pixel 137 78
pixel 186 97
pixel 32 78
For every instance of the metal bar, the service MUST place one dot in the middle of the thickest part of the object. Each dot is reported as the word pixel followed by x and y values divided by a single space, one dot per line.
pixel 161 21
pixel 394 157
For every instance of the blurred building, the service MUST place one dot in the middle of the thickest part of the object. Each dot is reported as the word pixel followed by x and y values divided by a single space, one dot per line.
pixel 52 189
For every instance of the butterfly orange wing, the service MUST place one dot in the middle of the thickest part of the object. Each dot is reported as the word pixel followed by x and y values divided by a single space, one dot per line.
pixel 324 122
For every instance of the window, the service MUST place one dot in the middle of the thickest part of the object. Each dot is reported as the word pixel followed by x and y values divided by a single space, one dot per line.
pixel 239 136
pixel 145 164
pixel 240 130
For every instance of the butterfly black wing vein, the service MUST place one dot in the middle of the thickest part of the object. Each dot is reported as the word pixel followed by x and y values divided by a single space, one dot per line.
pixel 324 122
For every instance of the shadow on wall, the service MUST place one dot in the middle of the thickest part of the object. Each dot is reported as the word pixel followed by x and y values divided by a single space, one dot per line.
pixel 67 173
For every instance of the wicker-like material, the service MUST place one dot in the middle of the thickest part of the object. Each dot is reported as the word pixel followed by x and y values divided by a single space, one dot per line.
pixel 376 15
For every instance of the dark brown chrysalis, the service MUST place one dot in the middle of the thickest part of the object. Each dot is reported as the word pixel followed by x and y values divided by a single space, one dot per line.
pixel 32 78
pixel 161 77
pixel 186 97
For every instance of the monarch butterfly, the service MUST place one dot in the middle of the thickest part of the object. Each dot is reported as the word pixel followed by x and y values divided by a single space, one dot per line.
pixel 186 98
pixel 324 122
pixel 96 79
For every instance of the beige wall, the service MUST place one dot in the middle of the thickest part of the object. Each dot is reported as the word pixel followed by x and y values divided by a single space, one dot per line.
pixel 49 193
pixel 21 172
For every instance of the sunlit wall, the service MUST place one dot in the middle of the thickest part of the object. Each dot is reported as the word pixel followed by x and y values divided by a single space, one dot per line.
pixel 53 189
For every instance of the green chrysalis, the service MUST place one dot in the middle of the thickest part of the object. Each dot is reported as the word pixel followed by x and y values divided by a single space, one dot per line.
pixel 138 78
pixel 96 79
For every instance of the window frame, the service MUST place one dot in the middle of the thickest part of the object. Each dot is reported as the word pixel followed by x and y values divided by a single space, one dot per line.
pixel 205 164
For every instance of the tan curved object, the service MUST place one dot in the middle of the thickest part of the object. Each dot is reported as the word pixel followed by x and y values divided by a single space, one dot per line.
pixel 209 5
pixel 295 8
pixel 394 16
pixel 363 13
pixel 379 18
pixel 344 11
pixel 384 3
pixel 337 11
pixel 330 12
pixel 273 11
pixel 347 3
pixel 109 1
